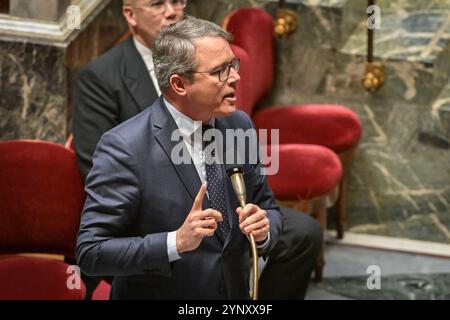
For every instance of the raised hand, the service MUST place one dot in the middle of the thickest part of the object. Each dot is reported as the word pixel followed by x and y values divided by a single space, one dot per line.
pixel 198 224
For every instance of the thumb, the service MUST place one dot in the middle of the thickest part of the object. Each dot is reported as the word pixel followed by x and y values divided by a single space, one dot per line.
pixel 199 198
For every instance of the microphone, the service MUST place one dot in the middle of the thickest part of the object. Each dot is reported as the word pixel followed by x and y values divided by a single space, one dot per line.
pixel 235 172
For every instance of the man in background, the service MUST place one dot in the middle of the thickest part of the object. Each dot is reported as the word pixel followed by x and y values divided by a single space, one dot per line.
pixel 121 83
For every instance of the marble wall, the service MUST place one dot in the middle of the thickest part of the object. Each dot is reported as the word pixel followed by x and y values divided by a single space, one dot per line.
pixel 400 179
pixel 36 79
pixel 33 82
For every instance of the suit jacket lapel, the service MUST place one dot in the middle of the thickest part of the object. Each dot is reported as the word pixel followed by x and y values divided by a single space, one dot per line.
pixel 165 126
pixel 136 77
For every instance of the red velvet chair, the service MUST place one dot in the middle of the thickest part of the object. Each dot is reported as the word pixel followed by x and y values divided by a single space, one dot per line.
pixel 32 278
pixel 42 200
pixel 306 178
pixel 329 125
pixel 308 174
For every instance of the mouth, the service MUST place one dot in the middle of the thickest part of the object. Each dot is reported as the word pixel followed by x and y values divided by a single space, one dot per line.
pixel 230 97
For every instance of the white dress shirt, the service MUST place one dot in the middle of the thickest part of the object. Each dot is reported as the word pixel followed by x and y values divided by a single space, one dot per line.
pixel 146 55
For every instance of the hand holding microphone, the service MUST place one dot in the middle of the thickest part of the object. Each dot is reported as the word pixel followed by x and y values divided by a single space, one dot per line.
pixel 253 220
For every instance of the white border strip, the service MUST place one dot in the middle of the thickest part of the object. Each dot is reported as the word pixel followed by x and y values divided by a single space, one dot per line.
pixel 391 244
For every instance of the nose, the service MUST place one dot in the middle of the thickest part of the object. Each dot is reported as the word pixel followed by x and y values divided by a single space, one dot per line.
pixel 170 10
pixel 234 76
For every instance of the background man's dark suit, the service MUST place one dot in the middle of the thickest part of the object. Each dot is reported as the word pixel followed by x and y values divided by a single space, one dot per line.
pixel 136 195
pixel 113 88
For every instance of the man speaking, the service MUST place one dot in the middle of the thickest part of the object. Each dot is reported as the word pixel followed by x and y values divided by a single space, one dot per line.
pixel 173 231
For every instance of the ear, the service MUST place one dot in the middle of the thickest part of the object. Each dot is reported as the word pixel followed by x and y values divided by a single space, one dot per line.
pixel 178 84
pixel 128 13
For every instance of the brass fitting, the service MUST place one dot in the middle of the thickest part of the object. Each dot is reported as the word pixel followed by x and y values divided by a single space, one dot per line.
pixel 373 77
pixel 286 22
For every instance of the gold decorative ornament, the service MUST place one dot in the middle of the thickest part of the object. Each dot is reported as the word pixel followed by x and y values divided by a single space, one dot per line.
pixel 373 77
pixel 286 22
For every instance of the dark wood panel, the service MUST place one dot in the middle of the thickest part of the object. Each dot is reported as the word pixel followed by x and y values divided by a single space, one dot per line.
pixel 4 6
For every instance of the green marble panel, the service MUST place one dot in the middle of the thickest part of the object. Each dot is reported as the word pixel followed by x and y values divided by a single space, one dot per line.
pixel 393 287
pixel 413 36
pixel 36 80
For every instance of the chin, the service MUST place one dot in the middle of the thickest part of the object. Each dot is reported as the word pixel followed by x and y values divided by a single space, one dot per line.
pixel 226 110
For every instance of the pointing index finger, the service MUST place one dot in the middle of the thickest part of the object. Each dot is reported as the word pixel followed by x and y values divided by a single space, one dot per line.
pixel 199 198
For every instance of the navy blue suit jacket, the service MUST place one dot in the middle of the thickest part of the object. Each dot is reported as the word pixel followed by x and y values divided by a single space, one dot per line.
pixel 136 195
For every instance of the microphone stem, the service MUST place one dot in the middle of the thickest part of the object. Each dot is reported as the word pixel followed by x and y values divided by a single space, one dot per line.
pixel 239 188
pixel 255 267
pixel 255 262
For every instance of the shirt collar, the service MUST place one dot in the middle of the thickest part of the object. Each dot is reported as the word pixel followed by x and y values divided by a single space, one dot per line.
pixel 145 53
pixel 186 125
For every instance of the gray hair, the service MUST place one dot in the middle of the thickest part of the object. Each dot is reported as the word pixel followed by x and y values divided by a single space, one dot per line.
pixel 174 48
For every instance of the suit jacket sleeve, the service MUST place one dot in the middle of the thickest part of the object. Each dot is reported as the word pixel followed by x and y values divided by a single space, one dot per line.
pixel 95 112
pixel 104 244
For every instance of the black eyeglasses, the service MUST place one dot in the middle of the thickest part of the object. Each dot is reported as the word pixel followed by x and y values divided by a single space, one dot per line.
pixel 224 72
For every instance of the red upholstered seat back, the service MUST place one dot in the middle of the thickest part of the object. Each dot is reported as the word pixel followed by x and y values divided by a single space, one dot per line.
pixel 41 198
pixel 305 171
pixel 252 29
pixel 29 278
pixel 245 98
pixel 330 125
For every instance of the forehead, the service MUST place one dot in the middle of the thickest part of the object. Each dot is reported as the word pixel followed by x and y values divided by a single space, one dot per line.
pixel 133 2
pixel 212 51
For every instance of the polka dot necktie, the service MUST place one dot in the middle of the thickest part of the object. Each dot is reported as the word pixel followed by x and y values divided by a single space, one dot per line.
pixel 216 186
